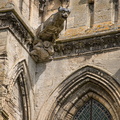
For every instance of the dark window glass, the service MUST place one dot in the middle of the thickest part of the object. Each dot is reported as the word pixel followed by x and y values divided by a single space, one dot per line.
pixel 93 110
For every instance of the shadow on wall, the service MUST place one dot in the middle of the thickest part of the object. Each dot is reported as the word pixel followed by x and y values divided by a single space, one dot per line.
pixel 38 72
pixel 117 76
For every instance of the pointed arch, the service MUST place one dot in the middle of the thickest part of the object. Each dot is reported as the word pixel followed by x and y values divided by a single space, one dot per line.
pixel 20 76
pixel 84 84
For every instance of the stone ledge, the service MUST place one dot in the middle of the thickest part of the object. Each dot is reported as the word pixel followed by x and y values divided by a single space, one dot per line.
pixel 93 44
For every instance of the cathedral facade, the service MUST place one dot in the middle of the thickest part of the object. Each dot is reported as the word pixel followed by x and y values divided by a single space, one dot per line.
pixel 60 59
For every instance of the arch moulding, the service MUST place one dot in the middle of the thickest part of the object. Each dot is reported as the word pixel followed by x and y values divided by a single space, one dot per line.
pixel 84 84
pixel 20 74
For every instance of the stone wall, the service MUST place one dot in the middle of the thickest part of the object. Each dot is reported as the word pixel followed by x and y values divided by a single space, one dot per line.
pixel 15 60
pixel 29 90
pixel 49 80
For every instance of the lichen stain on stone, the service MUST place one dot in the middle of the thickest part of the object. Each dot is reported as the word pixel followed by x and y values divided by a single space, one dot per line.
pixel 100 27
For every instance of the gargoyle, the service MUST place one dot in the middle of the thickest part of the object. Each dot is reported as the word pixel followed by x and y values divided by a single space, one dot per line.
pixel 42 51
pixel 46 35
pixel 53 25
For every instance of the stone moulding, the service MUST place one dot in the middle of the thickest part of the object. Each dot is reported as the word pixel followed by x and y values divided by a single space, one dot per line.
pixel 88 45
pixel 4 114
pixel 82 85
pixel 8 20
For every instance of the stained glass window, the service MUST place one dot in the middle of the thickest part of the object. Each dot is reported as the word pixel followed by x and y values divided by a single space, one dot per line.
pixel 93 110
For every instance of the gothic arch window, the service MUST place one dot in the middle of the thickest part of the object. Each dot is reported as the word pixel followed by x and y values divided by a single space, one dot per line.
pixel 93 110
pixel 19 99
pixel 23 95
pixel 87 89
pixel 20 91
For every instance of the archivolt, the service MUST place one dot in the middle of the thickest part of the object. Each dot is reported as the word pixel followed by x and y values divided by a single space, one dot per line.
pixel 86 83
pixel 20 75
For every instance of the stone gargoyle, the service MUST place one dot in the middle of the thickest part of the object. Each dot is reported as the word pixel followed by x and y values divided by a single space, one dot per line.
pixel 47 33
pixel 42 51
pixel 51 28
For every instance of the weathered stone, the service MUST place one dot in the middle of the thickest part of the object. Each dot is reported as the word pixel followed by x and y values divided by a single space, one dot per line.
pixel 85 64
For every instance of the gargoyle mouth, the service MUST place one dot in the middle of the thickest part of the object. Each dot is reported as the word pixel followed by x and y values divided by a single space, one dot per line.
pixel 64 17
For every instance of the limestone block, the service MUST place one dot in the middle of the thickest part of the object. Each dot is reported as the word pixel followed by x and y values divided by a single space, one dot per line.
pixel 6 3
pixel 35 20
pixel 25 10
pixel 102 16
pixel 101 5
pixel 80 14
pixel 71 22
pixel 3 41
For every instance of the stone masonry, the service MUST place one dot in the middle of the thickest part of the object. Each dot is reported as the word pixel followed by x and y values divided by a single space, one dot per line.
pixel 83 61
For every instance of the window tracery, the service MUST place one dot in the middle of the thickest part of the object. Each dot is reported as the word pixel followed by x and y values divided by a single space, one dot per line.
pixel 93 110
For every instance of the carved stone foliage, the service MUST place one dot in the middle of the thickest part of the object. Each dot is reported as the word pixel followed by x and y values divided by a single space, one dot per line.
pixel 8 20
pixel 89 45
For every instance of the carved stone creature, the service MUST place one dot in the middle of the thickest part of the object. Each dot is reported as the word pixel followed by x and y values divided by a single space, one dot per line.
pixel 46 35
pixel 42 51
pixel 51 28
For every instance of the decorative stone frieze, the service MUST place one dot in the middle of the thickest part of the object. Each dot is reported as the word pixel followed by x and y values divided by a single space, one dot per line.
pixel 8 20
pixel 85 46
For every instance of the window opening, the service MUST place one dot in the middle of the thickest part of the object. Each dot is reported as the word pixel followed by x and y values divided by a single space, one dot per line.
pixel 93 110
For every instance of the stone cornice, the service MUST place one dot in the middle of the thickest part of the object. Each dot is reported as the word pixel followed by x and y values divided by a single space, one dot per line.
pixel 9 20
pixel 20 17
pixel 87 45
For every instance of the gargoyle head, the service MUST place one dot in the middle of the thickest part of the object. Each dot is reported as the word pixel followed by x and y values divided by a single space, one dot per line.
pixel 64 12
